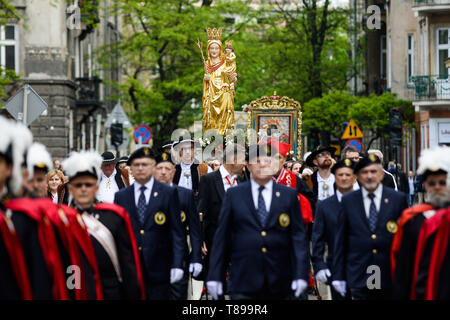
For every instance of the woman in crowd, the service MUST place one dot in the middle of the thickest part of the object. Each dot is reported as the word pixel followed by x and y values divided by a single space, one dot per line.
pixel 57 189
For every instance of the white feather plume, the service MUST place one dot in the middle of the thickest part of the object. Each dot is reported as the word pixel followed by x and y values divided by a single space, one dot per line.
pixel 21 138
pixel 434 159
pixel 83 161
pixel 37 154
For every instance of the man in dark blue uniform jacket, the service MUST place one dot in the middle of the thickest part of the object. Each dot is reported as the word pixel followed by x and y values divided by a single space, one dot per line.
pixel 262 234
pixel 366 226
pixel 325 223
pixel 155 215
pixel 165 171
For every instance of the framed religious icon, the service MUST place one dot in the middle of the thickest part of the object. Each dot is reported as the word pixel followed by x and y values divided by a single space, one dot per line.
pixel 276 118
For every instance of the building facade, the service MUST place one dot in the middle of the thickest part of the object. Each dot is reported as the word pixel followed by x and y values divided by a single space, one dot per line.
pixel 52 49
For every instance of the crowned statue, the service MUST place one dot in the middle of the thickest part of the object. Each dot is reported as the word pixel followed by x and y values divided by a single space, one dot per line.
pixel 218 83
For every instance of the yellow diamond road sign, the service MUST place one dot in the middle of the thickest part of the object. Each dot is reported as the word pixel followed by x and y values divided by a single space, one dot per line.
pixel 352 131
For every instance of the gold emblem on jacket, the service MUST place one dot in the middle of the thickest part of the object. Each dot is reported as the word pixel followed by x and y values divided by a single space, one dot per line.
pixel 160 218
pixel 284 220
pixel 183 216
pixel 392 226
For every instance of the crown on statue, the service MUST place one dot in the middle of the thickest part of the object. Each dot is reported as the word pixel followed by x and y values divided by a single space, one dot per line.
pixel 214 34
pixel 229 44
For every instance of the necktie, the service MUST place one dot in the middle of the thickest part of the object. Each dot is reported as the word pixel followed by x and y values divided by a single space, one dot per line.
pixel 142 207
pixel 262 212
pixel 373 214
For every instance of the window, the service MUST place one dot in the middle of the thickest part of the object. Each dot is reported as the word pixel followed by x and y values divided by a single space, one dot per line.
pixel 442 50
pixel 410 66
pixel 9 47
pixel 383 57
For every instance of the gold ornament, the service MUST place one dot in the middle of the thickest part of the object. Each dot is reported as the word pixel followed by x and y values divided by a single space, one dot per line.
pixel 214 33
pixel 391 226
pixel 348 162
pixel 160 218
pixel 284 220
pixel 183 216
pixel 165 156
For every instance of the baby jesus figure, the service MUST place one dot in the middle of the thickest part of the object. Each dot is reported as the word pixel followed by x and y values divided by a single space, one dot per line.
pixel 230 59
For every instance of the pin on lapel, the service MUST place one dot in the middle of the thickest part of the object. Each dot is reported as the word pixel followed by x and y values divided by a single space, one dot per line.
pixel 277 194
pixel 386 200
pixel 155 194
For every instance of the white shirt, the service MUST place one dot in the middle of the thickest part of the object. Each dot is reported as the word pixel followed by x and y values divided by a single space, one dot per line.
pixel 107 188
pixel 225 175
pixel 378 193
pixel 323 194
pixel 266 193
pixel 55 198
pixel 339 195
pixel 147 192
pixel 185 177
pixel 356 185
pixel 411 185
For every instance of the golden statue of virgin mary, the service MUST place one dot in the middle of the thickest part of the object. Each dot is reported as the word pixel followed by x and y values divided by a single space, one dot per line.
pixel 218 84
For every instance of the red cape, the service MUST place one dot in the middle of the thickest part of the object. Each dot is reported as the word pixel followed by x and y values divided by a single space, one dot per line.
pixel 81 235
pixel 17 259
pixel 406 216
pixel 56 217
pixel 439 251
pixel 289 179
pixel 124 214
pixel 428 228
pixel 48 244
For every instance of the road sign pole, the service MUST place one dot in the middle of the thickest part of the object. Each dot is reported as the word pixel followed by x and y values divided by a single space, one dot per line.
pixel 25 103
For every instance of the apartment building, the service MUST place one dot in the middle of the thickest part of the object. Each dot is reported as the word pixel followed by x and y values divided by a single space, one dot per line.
pixel 54 54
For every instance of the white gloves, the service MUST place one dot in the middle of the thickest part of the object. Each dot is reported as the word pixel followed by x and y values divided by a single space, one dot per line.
pixel 214 288
pixel 195 268
pixel 299 286
pixel 176 274
pixel 339 286
pixel 323 275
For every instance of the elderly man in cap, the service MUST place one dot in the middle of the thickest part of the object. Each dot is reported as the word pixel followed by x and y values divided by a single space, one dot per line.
pixel 322 179
pixel 325 224
pixel 366 223
pixel 112 179
pixel 154 211
pixel 164 172
pixel 261 236
pixel 433 166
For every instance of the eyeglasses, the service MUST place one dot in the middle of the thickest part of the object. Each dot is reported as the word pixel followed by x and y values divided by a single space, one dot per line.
pixel 324 154
pixel 442 183
pixel 81 184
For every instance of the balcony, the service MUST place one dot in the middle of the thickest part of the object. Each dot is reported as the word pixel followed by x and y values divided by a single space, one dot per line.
pixel 429 91
pixel 87 92
pixel 424 7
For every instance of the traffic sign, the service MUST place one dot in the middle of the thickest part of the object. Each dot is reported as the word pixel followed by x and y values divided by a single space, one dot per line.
pixel 118 115
pixel 352 131
pixel 26 105
pixel 355 143
pixel 144 132
pixel 125 142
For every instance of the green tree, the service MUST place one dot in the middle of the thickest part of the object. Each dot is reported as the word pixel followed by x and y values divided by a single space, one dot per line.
pixel 372 113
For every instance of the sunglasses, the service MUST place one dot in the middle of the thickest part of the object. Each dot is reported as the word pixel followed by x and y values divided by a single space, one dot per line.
pixel 81 184
pixel 440 182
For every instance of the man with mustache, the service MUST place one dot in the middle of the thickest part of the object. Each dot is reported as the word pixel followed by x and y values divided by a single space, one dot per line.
pixel 366 224
pixel 322 179
pixel 433 164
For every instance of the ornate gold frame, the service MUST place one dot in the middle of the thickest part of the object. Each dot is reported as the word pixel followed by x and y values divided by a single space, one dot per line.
pixel 276 106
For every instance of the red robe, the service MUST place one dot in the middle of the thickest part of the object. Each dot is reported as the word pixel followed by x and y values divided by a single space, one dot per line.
pixel 60 221
pixel 406 216
pixel 428 228
pixel 47 242
pixel 81 235
pixel 124 214
pixel 439 251
pixel 16 256
pixel 289 179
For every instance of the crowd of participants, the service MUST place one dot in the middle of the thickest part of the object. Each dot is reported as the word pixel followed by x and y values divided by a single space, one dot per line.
pixel 244 225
